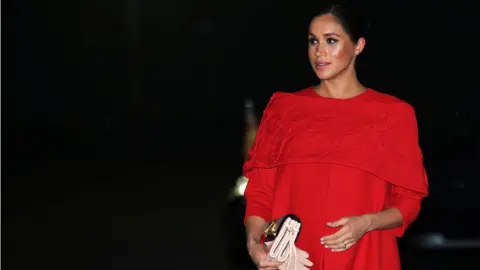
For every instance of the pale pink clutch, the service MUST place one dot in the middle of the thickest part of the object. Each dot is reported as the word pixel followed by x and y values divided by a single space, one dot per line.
pixel 281 236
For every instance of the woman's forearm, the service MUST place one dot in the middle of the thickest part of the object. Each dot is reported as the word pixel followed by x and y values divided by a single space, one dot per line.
pixel 386 219
pixel 255 227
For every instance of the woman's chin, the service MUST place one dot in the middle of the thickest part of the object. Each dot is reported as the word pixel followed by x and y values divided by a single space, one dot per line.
pixel 323 75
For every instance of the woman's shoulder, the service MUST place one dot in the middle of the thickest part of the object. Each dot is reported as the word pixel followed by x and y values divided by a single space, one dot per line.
pixel 297 94
pixel 307 91
pixel 385 98
pixel 280 99
pixel 392 103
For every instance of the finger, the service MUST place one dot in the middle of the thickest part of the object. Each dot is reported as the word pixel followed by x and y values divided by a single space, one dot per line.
pixel 334 236
pixel 266 264
pixel 343 248
pixel 338 223
pixel 297 267
pixel 270 268
pixel 338 246
pixel 334 243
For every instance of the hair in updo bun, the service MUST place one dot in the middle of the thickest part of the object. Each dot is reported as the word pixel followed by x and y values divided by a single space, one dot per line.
pixel 350 17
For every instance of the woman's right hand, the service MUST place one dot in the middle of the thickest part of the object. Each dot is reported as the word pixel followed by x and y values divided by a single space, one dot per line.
pixel 259 254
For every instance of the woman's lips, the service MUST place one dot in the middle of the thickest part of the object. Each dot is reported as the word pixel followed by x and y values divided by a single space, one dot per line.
pixel 321 64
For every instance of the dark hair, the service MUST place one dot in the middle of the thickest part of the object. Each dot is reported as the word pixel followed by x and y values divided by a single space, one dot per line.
pixel 350 17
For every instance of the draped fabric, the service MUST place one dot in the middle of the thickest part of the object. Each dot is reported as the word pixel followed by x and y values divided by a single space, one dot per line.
pixel 323 159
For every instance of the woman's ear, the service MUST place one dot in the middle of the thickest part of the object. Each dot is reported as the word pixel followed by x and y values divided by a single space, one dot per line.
pixel 360 45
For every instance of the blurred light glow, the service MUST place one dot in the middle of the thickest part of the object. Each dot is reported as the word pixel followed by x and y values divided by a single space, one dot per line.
pixel 240 186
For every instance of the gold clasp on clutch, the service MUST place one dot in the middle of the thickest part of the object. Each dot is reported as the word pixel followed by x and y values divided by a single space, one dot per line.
pixel 271 229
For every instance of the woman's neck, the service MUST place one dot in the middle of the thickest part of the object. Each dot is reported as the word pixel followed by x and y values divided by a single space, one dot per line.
pixel 343 86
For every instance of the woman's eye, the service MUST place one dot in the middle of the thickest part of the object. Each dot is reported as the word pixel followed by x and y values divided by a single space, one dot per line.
pixel 331 40
pixel 312 41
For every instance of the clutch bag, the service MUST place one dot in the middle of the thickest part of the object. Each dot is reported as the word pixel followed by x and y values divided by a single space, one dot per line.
pixel 282 234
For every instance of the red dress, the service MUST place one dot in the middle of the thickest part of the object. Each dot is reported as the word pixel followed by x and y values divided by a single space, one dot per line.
pixel 323 159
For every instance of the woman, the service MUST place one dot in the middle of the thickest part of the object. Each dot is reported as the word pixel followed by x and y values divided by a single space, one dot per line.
pixel 342 157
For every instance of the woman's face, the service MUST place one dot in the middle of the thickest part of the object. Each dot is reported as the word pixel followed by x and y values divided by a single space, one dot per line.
pixel 330 49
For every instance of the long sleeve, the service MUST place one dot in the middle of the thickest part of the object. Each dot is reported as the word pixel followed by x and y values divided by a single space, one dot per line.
pixel 259 193
pixel 261 178
pixel 405 163
pixel 402 158
pixel 408 203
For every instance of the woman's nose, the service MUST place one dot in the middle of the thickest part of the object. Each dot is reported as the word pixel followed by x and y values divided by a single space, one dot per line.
pixel 320 51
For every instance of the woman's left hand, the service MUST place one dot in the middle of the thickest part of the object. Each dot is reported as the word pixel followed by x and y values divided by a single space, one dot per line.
pixel 353 228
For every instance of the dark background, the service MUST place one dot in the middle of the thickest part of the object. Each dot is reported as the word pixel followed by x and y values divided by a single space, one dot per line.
pixel 123 120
